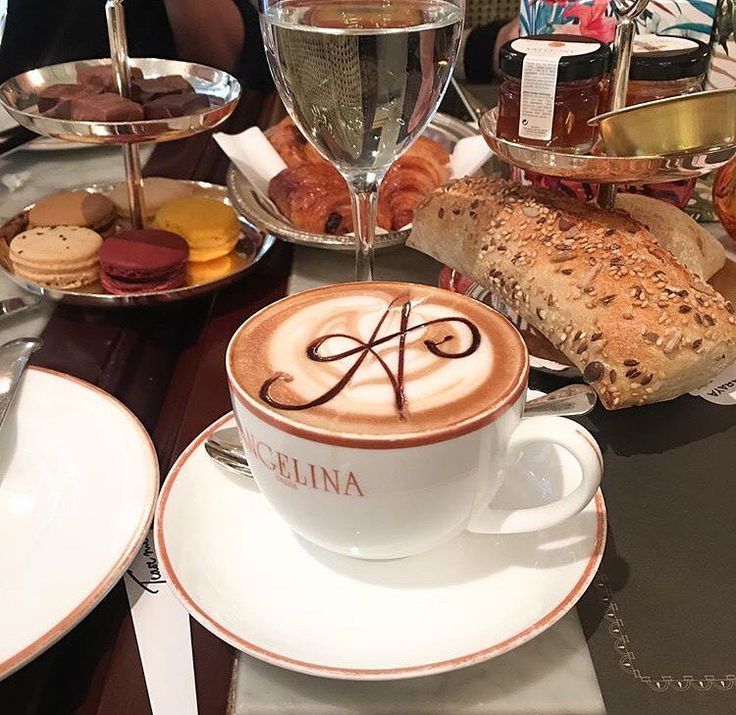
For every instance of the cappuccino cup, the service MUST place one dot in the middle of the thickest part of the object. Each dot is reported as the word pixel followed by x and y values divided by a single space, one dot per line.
pixel 377 418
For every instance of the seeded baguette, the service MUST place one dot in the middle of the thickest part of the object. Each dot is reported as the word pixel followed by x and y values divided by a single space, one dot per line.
pixel 640 326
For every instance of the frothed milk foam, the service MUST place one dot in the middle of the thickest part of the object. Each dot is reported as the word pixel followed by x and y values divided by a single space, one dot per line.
pixel 384 359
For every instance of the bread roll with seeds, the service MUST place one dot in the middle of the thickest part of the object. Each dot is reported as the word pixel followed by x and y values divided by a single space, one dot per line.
pixel 640 326
pixel 680 234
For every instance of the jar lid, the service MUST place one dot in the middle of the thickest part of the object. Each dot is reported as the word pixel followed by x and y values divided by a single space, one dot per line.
pixel 662 58
pixel 579 57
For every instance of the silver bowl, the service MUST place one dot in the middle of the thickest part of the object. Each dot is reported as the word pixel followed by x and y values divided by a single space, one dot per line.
pixel 605 169
pixel 19 96
pixel 261 214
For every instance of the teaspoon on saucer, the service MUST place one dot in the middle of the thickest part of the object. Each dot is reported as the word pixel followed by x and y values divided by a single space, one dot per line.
pixel 225 447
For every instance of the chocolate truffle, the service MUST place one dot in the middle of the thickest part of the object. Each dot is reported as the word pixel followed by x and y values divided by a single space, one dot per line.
pixel 176 105
pixel 102 77
pixel 146 90
pixel 105 108
pixel 55 93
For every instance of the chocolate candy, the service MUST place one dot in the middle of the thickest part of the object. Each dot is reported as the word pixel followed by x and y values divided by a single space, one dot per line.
pixel 102 78
pixel 176 105
pixel 105 108
pixel 55 93
pixel 146 90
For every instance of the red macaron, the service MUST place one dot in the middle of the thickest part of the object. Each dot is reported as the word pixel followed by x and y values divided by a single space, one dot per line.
pixel 143 261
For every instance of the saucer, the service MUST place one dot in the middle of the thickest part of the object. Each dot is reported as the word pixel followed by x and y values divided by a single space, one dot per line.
pixel 243 574
pixel 78 483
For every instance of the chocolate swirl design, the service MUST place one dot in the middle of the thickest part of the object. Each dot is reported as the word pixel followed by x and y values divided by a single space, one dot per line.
pixel 363 349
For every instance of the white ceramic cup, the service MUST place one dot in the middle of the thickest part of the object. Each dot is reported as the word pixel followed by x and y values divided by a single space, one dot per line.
pixel 376 500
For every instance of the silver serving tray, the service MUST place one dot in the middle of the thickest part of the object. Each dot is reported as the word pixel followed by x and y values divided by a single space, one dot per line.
pixel 251 247
pixel 605 169
pixel 261 214
pixel 19 96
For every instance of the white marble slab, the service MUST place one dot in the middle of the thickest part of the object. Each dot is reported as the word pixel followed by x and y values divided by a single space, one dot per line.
pixel 552 674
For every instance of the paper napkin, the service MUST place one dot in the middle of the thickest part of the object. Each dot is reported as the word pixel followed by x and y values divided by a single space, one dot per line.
pixel 164 639
pixel 254 156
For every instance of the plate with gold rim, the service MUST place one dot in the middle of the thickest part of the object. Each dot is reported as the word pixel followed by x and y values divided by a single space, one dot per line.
pixel 243 574
pixel 76 501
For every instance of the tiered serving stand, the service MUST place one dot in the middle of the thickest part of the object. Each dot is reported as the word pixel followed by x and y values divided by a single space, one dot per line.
pixel 601 168
pixel 19 96
pixel 606 170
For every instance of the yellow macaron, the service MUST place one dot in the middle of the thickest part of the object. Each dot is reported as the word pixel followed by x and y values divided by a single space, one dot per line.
pixel 209 271
pixel 210 227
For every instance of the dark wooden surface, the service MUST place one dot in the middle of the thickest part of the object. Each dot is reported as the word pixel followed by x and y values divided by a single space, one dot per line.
pixel 167 365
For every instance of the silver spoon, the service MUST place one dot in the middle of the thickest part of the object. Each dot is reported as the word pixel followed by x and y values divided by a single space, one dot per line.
pixel 225 447
pixel 13 360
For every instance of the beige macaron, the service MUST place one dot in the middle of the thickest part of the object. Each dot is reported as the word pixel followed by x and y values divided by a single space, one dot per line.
pixel 57 256
pixel 73 208
pixel 157 191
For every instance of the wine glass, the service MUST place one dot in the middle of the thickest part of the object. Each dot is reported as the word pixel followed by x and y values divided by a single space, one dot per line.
pixel 361 79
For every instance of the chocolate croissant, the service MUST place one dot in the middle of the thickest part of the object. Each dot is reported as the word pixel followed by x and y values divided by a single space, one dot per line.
pixel 313 197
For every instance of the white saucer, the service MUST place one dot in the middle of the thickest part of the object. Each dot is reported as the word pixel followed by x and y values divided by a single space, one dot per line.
pixel 243 574
pixel 78 483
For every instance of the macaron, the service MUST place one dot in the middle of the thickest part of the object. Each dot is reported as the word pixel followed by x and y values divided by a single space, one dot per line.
pixel 73 208
pixel 156 192
pixel 57 256
pixel 143 261
pixel 210 227
pixel 209 271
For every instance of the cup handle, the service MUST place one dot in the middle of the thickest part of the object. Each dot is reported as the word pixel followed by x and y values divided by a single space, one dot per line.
pixel 577 441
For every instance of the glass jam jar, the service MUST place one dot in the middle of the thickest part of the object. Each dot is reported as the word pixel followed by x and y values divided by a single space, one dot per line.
pixel 552 86
pixel 663 66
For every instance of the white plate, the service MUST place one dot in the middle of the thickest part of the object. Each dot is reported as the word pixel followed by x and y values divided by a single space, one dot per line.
pixel 243 574
pixel 78 483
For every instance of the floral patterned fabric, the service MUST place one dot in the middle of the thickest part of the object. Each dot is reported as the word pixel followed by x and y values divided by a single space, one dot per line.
pixel 594 18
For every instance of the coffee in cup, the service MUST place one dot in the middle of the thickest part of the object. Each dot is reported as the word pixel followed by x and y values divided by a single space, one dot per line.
pixel 376 416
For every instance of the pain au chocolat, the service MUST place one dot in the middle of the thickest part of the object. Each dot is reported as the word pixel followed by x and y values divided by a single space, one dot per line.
pixel 640 326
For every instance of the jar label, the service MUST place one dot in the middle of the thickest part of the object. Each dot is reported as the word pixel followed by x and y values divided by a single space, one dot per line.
pixel 661 43
pixel 539 82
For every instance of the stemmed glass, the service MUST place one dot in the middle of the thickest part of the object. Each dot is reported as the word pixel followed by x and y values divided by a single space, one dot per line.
pixel 361 79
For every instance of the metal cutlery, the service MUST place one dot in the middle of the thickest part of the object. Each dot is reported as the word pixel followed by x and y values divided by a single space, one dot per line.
pixel 14 357
pixel 12 306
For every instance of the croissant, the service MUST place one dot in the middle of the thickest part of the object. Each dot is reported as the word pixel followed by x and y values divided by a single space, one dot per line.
pixel 313 196
pixel 408 181
pixel 291 145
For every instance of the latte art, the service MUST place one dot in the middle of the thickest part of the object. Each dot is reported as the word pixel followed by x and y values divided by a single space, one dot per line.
pixel 364 350
pixel 377 358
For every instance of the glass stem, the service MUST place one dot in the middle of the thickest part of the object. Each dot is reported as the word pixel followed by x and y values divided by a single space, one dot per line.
pixel 364 196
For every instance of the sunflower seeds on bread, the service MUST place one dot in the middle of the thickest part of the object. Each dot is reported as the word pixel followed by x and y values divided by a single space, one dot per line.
pixel 640 326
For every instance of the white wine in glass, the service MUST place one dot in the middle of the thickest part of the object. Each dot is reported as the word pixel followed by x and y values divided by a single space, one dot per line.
pixel 361 79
